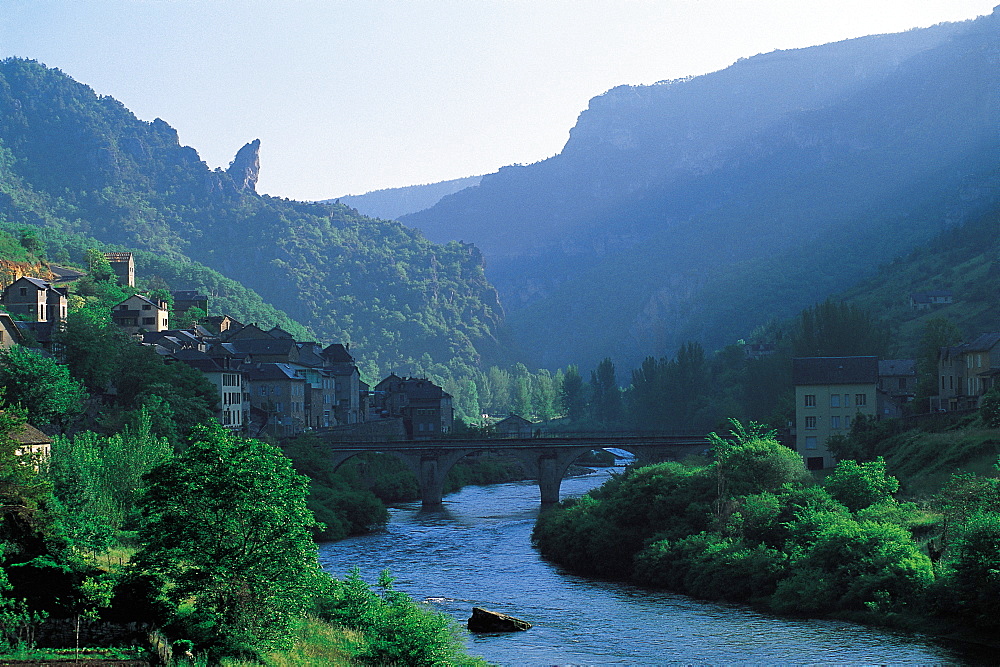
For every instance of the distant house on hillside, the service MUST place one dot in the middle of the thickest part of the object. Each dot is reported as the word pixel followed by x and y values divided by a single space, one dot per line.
pixel 830 392
pixel 123 265
pixel 897 385
pixel 36 300
pixel 928 300
pixel 138 314
pixel 32 442
pixel 966 372
pixel 184 300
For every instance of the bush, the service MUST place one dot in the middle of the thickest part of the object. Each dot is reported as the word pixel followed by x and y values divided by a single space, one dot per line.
pixel 989 408
pixel 394 630
pixel 859 485
pixel 973 579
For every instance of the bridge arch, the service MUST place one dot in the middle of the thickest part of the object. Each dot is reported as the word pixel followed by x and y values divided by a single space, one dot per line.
pixel 545 459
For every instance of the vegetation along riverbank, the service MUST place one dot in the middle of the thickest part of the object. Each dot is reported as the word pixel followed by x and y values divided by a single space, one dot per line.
pixel 754 526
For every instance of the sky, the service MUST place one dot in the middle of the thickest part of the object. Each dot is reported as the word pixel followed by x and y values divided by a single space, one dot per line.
pixel 349 96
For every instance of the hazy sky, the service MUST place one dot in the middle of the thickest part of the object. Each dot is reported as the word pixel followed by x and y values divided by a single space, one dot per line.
pixel 353 95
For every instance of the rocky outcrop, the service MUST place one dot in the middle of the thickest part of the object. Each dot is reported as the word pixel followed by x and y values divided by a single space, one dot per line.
pixel 484 620
pixel 245 167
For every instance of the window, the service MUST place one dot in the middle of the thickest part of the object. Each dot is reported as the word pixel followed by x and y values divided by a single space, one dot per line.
pixel 147 320
pixel 834 400
pixel 902 383
pixel 835 421
pixel 810 422
pixel 847 400
pixel 979 361
pixel 847 422
pixel 123 307
pixel 24 291
pixel 278 407
pixel 861 399
pixel 145 306
pixel 810 400
pixel 810 442
pixel 951 382
pixel 942 383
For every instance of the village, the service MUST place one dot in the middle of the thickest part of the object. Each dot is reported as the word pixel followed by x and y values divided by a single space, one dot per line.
pixel 270 384
pixel 267 382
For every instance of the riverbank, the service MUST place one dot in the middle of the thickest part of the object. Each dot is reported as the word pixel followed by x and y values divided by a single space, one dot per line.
pixel 753 527
pixel 475 551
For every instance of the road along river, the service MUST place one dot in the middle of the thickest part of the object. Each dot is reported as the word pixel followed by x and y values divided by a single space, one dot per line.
pixel 476 551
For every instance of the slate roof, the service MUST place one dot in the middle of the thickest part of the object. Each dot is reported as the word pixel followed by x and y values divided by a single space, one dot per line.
pixel 338 353
pixel 834 370
pixel 983 342
pixel 888 367
pixel 29 435
pixel 280 346
pixel 273 372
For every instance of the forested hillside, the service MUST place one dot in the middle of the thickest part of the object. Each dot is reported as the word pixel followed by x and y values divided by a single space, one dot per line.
pixel 75 163
pixel 965 260
pixel 699 208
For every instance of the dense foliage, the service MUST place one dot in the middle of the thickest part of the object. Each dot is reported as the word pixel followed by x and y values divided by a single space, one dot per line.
pixel 752 526
pixel 226 533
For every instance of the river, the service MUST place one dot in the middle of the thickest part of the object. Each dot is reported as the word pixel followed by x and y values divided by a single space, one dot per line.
pixel 476 551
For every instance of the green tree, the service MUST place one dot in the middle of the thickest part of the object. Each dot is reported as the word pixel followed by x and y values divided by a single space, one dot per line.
pixel 974 570
pixel 98 266
pixel 860 485
pixel 573 394
pixel 989 408
pixel 41 386
pixel 227 532
pixel 607 395
pixel 838 329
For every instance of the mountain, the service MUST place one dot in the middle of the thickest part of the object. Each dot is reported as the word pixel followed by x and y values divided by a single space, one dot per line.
pixel 76 163
pixel 700 208
pixel 393 203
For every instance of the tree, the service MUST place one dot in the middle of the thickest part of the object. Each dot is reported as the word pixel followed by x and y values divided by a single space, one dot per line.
pixel 607 395
pixel 860 485
pixel 41 386
pixel 572 392
pixel 98 266
pixel 837 329
pixel 227 532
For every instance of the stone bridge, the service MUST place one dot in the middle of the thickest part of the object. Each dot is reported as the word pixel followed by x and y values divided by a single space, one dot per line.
pixel 545 458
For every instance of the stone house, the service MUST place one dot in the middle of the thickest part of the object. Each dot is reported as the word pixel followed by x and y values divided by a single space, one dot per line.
pixel 10 335
pixel 36 300
pixel 123 264
pixel 966 372
pixel 32 442
pixel 426 409
pixel 138 314
pixel 229 377
pixel 278 392
pixel 514 426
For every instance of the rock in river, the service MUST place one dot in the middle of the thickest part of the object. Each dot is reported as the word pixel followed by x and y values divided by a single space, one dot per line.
pixel 484 620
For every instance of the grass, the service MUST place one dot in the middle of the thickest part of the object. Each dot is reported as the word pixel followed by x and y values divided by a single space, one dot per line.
pixel 316 643
pixel 925 461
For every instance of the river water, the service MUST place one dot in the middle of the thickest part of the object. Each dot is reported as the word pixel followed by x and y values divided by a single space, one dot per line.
pixel 476 551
